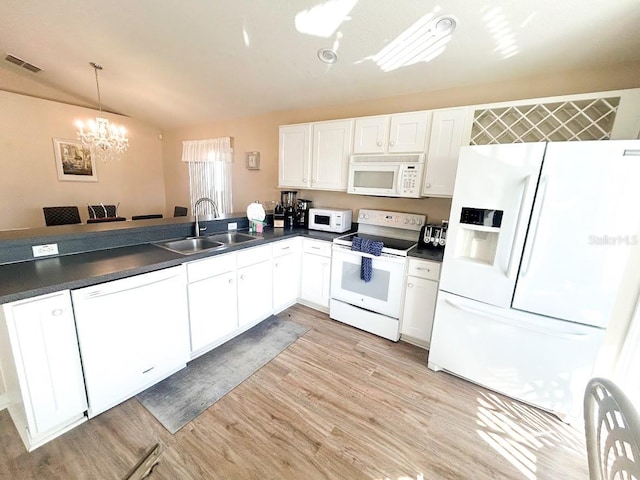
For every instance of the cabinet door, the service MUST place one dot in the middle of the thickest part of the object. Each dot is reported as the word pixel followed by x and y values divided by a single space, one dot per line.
pixel 419 306
pixel 447 136
pixel 213 309
pixel 330 157
pixel 46 345
pixel 254 293
pixel 315 280
pixel 408 132
pixel 295 156
pixel 371 134
pixel 286 281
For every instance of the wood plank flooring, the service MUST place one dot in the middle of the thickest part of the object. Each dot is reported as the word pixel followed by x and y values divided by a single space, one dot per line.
pixel 337 404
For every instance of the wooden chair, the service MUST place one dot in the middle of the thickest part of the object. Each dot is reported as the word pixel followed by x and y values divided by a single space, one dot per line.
pixel 612 430
pixel 67 215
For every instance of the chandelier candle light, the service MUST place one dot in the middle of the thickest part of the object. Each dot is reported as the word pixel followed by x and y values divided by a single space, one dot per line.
pixel 105 140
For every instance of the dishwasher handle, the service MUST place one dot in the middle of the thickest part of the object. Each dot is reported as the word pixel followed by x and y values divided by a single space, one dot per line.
pixel 130 283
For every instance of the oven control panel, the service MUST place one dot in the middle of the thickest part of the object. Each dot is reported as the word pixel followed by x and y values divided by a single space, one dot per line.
pixel 381 218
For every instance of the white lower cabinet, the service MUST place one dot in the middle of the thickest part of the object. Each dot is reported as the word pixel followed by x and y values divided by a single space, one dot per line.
pixel 132 333
pixel 213 301
pixel 255 284
pixel 286 273
pixel 316 273
pixel 421 290
pixel 41 367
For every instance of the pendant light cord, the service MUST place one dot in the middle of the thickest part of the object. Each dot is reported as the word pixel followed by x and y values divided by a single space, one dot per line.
pixel 97 67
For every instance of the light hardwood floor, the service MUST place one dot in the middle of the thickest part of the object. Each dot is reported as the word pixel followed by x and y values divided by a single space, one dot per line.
pixel 337 404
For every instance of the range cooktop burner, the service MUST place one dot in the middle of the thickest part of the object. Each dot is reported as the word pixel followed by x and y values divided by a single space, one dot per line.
pixel 392 243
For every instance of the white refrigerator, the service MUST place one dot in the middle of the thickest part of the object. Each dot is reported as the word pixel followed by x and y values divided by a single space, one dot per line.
pixel 539 236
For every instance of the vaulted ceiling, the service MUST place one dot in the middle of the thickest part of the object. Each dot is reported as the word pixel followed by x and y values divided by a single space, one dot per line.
pixel 176 63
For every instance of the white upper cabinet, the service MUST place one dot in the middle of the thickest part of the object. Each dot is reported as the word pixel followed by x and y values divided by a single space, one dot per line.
pixel 450 129
pixel 399 133
pixel 315 155
pixel 295 156
pixel 330 154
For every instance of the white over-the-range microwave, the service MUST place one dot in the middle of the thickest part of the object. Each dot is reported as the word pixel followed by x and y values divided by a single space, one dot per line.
pixel 386 175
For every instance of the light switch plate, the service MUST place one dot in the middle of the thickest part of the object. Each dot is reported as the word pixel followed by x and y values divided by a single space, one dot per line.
pixel 44 250
pixel 232 226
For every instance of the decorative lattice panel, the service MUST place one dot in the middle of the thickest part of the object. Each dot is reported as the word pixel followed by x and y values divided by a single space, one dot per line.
pixel 590 119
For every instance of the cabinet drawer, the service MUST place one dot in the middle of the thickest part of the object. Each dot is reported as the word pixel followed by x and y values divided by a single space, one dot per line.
pixel 283 247
pixel 424 269
pixel 210 267
pixel 253 255
pixel 317 247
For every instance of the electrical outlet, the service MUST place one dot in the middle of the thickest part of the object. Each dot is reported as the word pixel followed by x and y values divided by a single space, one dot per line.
pixel 232 226
pixel 44 250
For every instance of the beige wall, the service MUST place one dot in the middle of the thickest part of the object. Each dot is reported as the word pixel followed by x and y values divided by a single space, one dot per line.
pixel 29 179
pixel 261 133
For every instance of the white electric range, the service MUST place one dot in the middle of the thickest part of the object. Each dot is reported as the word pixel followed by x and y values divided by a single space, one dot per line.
pixel 375 305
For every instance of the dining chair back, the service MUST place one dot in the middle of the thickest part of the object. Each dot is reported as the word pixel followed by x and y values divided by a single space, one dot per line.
pixel 65 215
pixel 612 431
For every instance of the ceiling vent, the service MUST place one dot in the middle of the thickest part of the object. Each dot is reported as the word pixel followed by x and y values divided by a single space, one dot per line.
pixel 22 63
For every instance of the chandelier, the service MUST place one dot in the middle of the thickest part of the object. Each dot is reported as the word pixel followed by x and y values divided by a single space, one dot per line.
pixel 105 140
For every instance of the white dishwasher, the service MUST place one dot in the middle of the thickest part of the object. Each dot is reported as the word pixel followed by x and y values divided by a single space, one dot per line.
pixel 132 333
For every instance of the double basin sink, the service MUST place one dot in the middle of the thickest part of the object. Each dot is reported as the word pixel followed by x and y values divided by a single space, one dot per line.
pixel 218 241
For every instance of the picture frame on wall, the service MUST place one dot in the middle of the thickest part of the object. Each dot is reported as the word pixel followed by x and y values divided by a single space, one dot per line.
pixel 253 160
pixel 74 161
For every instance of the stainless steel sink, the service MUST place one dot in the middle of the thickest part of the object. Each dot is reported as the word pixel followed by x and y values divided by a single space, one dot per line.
pixel 191 245
pixel 232 238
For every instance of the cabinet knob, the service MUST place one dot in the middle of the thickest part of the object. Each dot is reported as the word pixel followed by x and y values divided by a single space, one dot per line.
pixel 304 180
pixel 57 312
pixel 276 265
pixel 231 281
pixel 241 277
pixel 379 144
pixel 427 185
pixel 410 285
pixel 391 144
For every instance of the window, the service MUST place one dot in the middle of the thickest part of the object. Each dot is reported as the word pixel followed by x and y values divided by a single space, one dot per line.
pixel 210 163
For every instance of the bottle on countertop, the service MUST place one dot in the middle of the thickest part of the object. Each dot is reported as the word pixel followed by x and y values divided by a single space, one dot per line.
pixel 289 217
pixel 278 216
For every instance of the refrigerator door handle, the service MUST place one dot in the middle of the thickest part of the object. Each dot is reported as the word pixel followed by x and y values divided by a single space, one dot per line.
pixel 512 266
pixel 535 222
pixel 514 323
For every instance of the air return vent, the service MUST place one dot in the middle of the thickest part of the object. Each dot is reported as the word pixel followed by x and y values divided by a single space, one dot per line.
pixel 22 63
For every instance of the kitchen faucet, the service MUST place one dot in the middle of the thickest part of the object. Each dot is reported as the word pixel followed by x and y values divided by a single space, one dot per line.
pixel 195 212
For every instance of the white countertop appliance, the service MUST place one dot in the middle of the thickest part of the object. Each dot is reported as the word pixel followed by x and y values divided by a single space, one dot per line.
pixel 330 220
pixel 373 306
pixel 538 240
pixel 386 175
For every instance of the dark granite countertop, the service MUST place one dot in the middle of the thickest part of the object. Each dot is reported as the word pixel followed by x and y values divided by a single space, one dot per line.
pixel 426 254
pixel 37 277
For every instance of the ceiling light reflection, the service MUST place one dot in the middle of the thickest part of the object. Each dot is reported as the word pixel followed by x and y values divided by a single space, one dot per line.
pixel 502 33
pixel 324 19
pixel 421 42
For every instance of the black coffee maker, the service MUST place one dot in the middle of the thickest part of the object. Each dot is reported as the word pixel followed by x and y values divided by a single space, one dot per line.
pixel 302 212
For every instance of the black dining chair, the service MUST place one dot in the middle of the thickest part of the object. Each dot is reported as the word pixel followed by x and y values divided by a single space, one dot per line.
pixel 66 215
pixel 102 211
pixel 146 217
pixel 180 211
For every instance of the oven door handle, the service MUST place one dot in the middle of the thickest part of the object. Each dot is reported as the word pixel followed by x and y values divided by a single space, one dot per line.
pixel 384 257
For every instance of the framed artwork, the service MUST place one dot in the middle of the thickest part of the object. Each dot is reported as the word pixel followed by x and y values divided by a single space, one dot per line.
pixel 253 160
pixel 74 161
